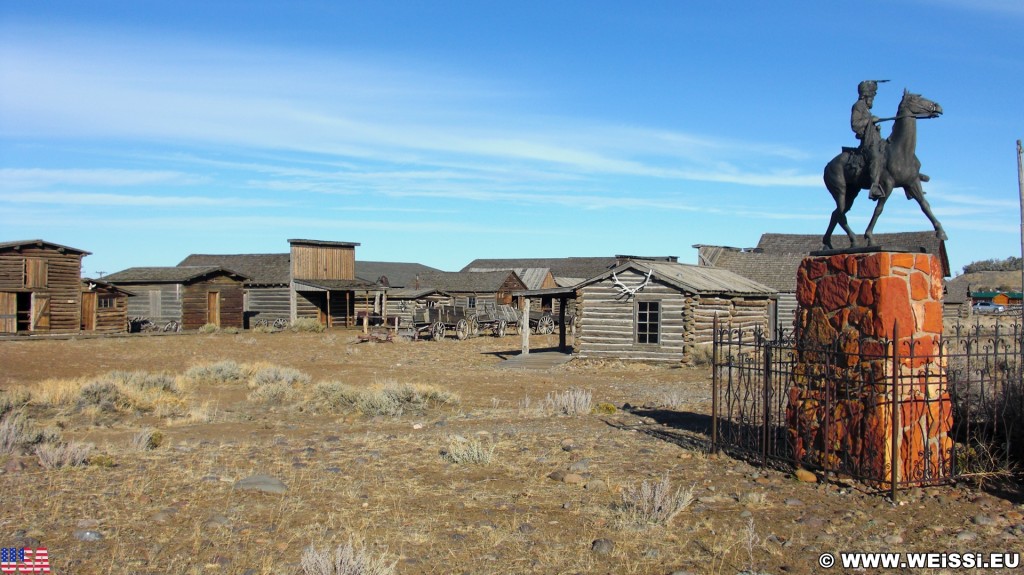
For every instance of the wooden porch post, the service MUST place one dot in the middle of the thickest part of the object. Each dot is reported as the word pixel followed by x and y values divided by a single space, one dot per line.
pixel 524 326
pixel 328 309
pixel 561 323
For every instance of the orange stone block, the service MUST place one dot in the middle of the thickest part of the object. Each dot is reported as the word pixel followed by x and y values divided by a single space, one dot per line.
pixel 873 266
pixel 902 260
pixel 833 292
pixel 920 286
pixel 816 268
pixel 932 317
pixel 923 263
pixel 893 307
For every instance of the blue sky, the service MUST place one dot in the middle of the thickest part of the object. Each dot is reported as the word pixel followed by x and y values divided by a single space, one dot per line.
pixel 440 132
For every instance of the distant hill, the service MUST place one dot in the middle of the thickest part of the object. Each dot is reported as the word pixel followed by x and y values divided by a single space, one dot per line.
pixel 958 287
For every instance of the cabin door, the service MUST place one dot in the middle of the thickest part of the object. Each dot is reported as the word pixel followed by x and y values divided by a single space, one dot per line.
pixel 40 312
pixel 89 301
pixel 213 308
pixel 8 312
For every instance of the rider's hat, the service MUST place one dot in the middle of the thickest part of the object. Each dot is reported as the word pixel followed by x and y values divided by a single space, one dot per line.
pixel 867 88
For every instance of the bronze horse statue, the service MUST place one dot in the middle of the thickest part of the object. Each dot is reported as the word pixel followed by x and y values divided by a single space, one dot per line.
pixel 846 175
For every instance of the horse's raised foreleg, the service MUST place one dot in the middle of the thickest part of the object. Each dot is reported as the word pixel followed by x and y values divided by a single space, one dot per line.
pixel 916 192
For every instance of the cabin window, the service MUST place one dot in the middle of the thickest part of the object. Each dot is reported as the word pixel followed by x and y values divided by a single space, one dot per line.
pixel 36 273
pixel 471 302
pixel 106 302
pixel 648 322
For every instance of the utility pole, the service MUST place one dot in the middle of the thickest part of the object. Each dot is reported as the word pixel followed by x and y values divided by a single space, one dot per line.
pixel 1020 188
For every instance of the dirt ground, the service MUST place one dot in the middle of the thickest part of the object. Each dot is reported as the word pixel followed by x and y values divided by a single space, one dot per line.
pixel 552 498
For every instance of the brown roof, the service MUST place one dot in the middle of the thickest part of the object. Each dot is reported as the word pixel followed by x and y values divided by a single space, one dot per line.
pixel 176 274
pixel 476 282
pixel 693 279
pixel 41 244
pixel 261 269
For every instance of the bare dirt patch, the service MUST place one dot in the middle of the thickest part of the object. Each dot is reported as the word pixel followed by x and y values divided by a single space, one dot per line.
pixel 498 481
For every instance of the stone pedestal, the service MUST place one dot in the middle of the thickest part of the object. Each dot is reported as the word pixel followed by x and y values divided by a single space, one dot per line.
pixel 868 330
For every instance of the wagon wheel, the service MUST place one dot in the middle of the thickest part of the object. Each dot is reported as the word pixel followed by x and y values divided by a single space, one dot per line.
pixel 474 327
pixel 546 324
pixel 501 328
pixel 462 329
pixel 172 326
pixel 437 331
pixel 280 323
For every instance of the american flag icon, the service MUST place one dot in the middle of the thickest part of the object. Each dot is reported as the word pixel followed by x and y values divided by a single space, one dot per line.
pixel 24 560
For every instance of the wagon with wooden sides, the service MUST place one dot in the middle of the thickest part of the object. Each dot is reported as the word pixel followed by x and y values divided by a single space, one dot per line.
pixel 436 322
pixel 497 318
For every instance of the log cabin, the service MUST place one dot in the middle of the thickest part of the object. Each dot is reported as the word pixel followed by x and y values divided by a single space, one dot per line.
pixel 664 311
pixel 40 287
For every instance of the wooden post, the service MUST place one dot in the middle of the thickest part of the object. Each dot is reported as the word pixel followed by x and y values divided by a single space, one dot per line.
pixel 524 326
pixel 561 323
pixel 328 309
pixel 384 308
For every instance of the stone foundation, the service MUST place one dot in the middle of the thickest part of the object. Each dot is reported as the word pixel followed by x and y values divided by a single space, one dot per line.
pixel 856 311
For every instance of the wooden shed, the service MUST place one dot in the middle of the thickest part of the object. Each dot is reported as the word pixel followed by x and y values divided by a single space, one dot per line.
pixel 469 289
pixel 104 307
pixel 267 292
pixel 664 311
pixel 40 289
pixel 191 295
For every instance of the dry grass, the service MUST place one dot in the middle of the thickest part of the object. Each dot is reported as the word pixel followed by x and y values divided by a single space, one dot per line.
pixel 376 479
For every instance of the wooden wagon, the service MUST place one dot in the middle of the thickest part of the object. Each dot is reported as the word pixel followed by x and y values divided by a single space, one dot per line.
pixel 436 322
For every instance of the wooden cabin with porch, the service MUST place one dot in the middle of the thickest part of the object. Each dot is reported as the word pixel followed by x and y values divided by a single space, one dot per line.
pixel 40 289
pixel 664 311
pixel 191 295
pixel 104 307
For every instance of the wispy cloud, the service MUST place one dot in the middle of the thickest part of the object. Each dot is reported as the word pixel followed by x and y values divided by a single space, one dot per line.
pixel 386 112
pixel 20 178
pixel 122 200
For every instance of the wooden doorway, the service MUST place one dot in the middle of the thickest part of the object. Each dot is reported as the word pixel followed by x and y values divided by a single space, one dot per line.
pixel 8 312
pixel 213 308
pixel 89 304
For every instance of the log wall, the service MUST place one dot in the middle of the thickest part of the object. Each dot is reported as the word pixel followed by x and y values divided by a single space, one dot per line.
pixel 607 319
pixel 268 303
pixel 54 280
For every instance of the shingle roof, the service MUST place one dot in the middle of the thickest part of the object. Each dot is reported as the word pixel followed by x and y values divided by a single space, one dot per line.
pixel 334 285
pixel 177 274
pixel 399 274
pixel 532 277
pixel 693 279
pixel 576 267
pixel 777 271
pixel 479 282
pixel 262 269
pixel 40 244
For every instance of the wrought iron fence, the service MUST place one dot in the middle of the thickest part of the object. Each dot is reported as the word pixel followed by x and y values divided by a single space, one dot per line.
pixel 956 403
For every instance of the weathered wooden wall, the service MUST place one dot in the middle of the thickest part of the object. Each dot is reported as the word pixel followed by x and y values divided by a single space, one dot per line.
pixel 160 303
pixel 323 262
pixel 195 302
pixel 104 312
pixel 268 303
pixel 607 324
pixel 607 319
pixel 53 278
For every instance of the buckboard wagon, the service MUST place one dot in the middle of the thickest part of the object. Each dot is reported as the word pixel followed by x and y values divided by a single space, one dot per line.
pixel 436 322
